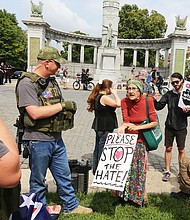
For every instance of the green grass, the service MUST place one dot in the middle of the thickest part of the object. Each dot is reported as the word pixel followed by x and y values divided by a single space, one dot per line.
pixel 106 207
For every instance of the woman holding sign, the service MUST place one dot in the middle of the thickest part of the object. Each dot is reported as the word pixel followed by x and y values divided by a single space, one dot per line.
pixel 133 108
pixel 105 120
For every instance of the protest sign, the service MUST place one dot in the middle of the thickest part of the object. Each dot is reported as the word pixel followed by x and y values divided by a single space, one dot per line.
pixel 115 161
pixel 184 100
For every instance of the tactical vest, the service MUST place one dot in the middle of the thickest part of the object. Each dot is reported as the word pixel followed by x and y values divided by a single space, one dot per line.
pixel 49 94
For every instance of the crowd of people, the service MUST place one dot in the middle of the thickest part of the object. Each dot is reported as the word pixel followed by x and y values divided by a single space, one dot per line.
pixel 152 80
pixel 46 114
pixel 64 77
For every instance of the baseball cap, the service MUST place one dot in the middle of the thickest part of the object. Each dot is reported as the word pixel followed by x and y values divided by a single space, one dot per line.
pixel 50 53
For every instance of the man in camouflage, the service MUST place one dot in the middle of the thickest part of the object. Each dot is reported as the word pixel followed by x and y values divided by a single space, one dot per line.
pixel 46 114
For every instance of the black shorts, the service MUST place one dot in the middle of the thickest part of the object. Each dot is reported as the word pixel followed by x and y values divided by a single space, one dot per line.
pixel 180 136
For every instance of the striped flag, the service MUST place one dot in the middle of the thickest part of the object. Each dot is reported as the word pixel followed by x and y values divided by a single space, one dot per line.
pixel 30 209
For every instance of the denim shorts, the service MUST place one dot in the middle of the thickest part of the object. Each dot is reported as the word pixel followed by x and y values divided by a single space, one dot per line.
pixel 179 135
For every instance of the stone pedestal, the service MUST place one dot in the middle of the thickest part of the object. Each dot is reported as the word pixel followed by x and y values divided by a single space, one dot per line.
pixel 36 31
pixel 179 44
pixel 108 65
pixel 108 60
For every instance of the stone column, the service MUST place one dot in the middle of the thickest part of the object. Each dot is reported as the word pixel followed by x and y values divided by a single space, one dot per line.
pixel 36 31
pixel 122 56
pixel 95 55
pixel 135 57
pixel 70 52
pixel 48 42
pixel 157 59
pixel 82 54
pixel 146 58
pixel 110 17
pixel 166 58
pixel 59 46
pixel 108 59
pixel 179 42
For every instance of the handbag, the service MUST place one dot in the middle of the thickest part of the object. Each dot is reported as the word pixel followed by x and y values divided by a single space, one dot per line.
pixel 153 136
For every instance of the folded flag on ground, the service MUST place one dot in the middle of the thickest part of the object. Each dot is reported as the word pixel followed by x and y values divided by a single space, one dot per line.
pixel 30 208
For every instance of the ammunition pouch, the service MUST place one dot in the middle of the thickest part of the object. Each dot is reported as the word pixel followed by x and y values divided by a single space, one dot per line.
pixel 62 121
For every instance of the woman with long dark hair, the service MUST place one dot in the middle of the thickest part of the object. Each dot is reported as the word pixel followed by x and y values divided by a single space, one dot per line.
pixel 105 120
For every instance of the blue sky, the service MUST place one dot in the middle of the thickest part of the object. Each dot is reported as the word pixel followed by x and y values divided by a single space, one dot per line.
pixel 86 15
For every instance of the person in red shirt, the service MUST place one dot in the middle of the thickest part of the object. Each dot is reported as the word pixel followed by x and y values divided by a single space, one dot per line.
pixel 133 108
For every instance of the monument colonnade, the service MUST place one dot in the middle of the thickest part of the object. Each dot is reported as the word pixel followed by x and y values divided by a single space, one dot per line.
pixel 135 44
pixel 40 33
pixel 109 51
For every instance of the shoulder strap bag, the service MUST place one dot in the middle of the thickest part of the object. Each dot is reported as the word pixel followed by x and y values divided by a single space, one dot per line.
pixel 152 136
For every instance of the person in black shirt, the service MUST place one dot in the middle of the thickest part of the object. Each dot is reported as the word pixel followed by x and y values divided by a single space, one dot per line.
pixel 105 120
pixel 2 72
pixel 159 82
pixel 84 78
pixel 8 72
pixel 176 121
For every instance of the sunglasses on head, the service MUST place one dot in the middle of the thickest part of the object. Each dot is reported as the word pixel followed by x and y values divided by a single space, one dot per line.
pixel 175 82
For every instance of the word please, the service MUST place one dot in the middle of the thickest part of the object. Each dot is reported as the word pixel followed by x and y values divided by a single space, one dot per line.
pixel 121 139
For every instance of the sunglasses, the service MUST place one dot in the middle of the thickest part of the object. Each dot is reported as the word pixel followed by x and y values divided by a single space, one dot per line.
pixel 175 82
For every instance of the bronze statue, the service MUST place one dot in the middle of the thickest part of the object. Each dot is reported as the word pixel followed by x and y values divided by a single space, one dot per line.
pixel 109 36
pixel 181 22
pixel 36 9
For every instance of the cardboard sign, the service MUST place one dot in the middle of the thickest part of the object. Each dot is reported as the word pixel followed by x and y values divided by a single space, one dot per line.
pixel 184 100
pixel 115 161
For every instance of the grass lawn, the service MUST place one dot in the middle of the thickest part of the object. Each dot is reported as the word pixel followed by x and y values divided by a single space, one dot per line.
pixel 106 207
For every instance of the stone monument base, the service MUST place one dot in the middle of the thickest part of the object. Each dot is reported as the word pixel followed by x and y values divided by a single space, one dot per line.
pixel 108 64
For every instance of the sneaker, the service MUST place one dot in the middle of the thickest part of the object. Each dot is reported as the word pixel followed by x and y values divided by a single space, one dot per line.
pixel 166 176
pixel 80 210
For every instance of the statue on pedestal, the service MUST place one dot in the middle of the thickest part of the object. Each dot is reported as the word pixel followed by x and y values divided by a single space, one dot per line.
pixel 36 9
pixel 109 35
pixel 181 23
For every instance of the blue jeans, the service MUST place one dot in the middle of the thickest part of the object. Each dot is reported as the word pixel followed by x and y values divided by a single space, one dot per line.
pixel 99 146
pixel 52 155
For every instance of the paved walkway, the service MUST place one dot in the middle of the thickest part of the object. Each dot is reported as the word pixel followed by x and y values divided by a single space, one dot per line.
pixel 79 141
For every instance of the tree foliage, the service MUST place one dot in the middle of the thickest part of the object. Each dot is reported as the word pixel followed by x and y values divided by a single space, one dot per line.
pixel 12 41
pixel 139 23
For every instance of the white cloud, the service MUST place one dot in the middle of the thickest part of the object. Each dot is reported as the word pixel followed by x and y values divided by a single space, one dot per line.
pixel 60 17
pixel 86 15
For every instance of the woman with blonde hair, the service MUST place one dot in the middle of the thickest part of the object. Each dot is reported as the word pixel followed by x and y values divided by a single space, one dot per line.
pixel 105 120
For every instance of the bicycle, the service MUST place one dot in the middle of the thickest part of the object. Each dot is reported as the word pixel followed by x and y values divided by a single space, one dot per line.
pixel 162 90
pixel 89 85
